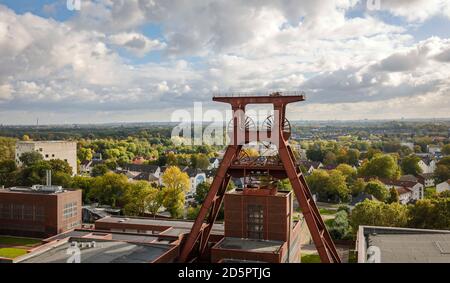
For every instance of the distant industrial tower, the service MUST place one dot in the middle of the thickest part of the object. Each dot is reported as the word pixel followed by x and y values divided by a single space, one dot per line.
pixel 261 175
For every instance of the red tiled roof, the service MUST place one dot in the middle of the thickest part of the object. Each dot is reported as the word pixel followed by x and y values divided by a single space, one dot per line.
pixel 403 190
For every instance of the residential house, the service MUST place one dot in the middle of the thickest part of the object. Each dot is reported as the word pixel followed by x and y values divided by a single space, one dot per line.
pixel 409 145
pixel 213 163
pixel 87 165
pixel 408 178
pixel 361 197
pixel 404 195
pixel 434 150
pixel 150 173
pixel 311 166
pixel 138 160
pixel 442 187
pixel 416 189
pixel 196 177
pixel 427 165
pixel 329 167
pixel 427 179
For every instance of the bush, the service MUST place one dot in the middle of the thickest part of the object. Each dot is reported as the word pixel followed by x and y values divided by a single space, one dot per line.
pixel 375 213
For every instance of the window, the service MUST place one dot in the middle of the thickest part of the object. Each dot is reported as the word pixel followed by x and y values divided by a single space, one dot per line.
pixel 46 156
pixel 53 155
pixel 255 221
pixel 70 210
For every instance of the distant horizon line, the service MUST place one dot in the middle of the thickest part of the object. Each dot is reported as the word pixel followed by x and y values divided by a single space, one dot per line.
pixel 170 122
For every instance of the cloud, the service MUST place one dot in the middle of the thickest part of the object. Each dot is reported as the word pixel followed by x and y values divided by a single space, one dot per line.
pixel 347 64
pixel 416 10
pixel 136 43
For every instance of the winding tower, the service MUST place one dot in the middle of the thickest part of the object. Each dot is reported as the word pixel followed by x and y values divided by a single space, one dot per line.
pixel 275 130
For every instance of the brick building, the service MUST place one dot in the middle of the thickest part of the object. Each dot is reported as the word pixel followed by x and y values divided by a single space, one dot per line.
pixel 39 211
pixel 258 227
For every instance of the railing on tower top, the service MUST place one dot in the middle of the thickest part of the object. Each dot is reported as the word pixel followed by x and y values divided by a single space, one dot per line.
pixel 255 94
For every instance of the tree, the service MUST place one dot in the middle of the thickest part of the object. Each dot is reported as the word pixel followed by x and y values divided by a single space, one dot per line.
pixel 176 184
pixel 358 186
pixel 7 148
pixel 61 166
pixel 430 214
pixel 410 165
pixel 329 158
pixel 377 189
pixel 30 158
pixel 340 226
pixel 99 170
pixel 84 183
pixel 381 166
pixel 200 161
pixel 34 173
pixel 348 171
pixel 109 189
pixel 315 154
pixel 353 156
pixel 85 154
pixel 138 197
pixel 446 149
pixel 8 173
pixel 329 185
pixel 203 162
pixel 393 196
pixel 155 201
pixel 442 172
pixel 61 179
pixel 201 192
pixel 171 159
pixel 375 213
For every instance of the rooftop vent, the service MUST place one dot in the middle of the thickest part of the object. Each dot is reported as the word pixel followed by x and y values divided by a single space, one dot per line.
pixel 47 189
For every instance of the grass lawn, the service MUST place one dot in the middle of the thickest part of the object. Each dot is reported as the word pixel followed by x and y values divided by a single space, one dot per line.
pixel 11 252
pixel 325 211
pixel 16 241
pixel 311 258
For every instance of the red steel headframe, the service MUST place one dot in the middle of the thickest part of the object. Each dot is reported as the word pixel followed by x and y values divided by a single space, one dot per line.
pixel 197 240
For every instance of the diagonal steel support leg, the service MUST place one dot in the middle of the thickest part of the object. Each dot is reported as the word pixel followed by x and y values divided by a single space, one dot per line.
pixel 321 237
pixel 200 231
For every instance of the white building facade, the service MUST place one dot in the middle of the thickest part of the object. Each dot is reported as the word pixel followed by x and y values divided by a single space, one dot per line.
pixel 63 150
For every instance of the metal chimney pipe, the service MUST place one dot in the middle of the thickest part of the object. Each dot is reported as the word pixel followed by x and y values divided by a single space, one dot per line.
pixel 49 177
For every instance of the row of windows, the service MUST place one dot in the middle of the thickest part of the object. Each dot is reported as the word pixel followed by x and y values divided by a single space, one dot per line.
pixel 70 210
pixel 255 221
pixel 21 212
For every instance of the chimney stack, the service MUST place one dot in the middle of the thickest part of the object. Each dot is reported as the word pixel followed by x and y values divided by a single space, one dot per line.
pixel 48 177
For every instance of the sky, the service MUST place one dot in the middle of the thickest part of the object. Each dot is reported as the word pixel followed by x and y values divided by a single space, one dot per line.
pixel 141 60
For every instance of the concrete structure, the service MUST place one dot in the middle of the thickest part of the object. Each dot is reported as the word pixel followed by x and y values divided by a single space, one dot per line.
pixel 258 227
pixel 402 245
pixel 150 226
pixel 92 246
pixel 40 211
pixel 442 187
pixel 63 150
